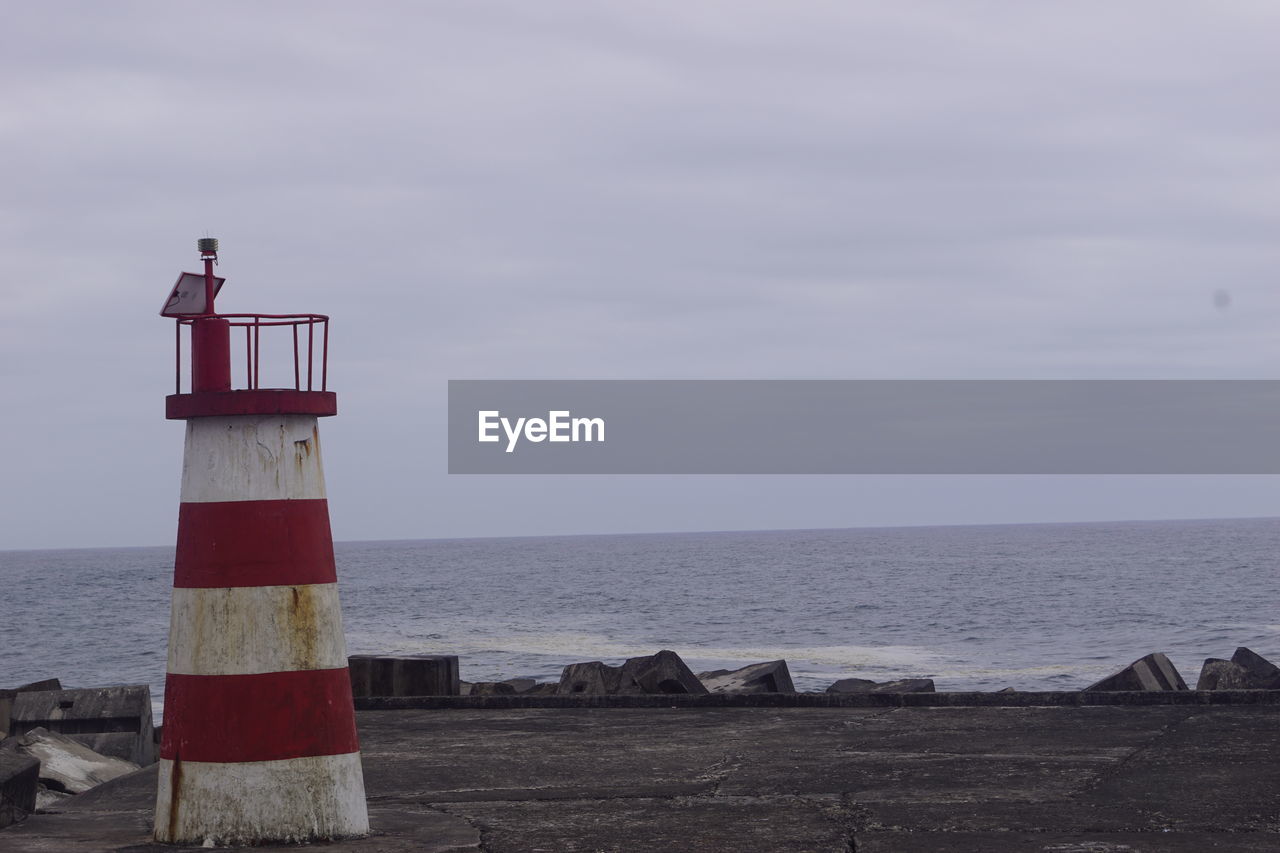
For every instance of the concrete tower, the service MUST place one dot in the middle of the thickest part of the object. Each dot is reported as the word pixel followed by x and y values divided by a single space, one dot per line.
pixel 259 739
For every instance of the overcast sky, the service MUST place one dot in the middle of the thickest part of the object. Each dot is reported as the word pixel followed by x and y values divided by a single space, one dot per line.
pixel 720 189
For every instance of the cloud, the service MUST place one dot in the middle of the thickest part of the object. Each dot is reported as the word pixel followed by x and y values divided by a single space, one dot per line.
pixel 502 189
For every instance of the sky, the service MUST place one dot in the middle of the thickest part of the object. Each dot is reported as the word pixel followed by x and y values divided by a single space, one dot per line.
pixel 608 190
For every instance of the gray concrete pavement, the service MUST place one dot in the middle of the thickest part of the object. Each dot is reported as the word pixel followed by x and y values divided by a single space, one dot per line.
pixel 870 780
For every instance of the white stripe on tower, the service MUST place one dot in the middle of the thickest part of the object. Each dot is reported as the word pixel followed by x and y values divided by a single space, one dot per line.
pixel 252 458
pixel 259 738
pixel 268 640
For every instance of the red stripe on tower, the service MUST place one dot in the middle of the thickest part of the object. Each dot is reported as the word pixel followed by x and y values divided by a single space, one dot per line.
pixel 261 717
pixel 276 542
pixel 259 738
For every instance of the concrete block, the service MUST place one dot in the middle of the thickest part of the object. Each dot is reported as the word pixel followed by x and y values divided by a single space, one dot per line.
pixel 6 699
pixel 19 777
pixel 37 686
pixel 425 675
pixel 906 685
pixel 6 705
pixel 543 688
pixel 404 675
pixel 508 687
pixel 521 685
pixel 1219 674
pixel 769 677
pixel 47 798
pixel 491 688
pixel 113 721
pixel 852 685
pixel 863 685
pixel 1151 673
pixel 1262 673
pixel 360 668
pixel 69 766
pixel 592 677
pixel 663 673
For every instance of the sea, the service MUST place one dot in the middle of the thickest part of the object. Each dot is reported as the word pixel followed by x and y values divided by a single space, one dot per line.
pixel 1028 606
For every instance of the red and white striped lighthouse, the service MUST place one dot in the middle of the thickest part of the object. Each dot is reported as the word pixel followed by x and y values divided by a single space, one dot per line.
pixel 259 740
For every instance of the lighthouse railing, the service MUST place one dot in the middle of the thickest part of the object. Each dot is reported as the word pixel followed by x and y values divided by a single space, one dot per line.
pixel 310 347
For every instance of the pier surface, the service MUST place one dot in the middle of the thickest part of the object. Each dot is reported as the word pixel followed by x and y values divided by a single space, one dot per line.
pixel 1066 779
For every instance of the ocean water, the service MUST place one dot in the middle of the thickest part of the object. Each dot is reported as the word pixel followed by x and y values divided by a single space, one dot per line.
pixel 1035 607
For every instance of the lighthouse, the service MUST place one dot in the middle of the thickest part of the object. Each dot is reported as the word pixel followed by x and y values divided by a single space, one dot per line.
pixel 259 741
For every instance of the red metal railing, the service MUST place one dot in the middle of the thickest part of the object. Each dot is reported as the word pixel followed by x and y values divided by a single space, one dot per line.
pixel 253 324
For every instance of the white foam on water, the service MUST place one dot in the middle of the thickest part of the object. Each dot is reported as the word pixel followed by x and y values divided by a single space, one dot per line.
pixel 841 657
pixel 1015 671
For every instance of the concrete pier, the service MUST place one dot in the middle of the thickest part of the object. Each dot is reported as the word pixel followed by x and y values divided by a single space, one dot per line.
pixel 1057 779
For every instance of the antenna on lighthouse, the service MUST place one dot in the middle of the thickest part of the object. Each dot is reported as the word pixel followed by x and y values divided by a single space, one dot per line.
pixel 208 247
